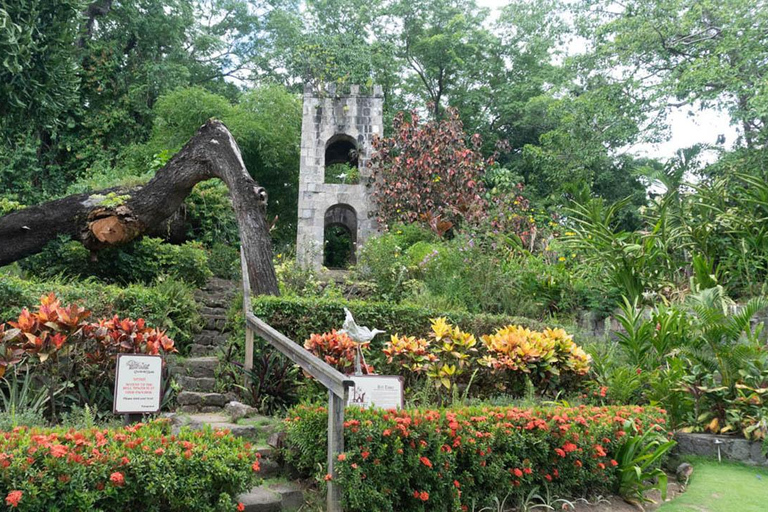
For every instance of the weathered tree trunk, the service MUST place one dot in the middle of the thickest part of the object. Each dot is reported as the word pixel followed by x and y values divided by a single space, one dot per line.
pixel 211 153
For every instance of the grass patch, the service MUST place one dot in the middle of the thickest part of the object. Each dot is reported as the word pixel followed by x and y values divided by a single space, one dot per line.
pixel 722 487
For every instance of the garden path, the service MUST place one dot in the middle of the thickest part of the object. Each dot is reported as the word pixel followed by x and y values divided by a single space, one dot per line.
pixel 276 494
pixel 196 374
pixel 201 405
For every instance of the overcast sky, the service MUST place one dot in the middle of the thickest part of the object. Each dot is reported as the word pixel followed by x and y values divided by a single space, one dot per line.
pixel 703 127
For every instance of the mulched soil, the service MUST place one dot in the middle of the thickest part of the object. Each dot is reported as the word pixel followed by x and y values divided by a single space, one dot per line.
pixel 616 504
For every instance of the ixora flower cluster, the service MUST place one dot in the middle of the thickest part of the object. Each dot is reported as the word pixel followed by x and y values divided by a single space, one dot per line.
pixel 54 329
pixel 139 467
pixel 463 458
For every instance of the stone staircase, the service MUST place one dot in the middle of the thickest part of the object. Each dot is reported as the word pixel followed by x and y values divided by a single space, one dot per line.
pixel 276 494
pixel 196 373
pixel 199 404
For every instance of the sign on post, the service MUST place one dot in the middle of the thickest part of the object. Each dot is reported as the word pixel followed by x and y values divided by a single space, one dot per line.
pixel 138 384
pixel 381 391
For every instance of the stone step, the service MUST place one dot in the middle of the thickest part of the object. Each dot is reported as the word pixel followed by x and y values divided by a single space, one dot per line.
pixel 207 311
pixel 196 350
pixel 217 420
pixel 291 495
pixel 197 367
pixel 213 323
pixel 200 384
pixel 202 399
pixel 216 284
pixel 261 499
pixel 198 409
pixel 209 337
pixel 274 497
pixel 214 301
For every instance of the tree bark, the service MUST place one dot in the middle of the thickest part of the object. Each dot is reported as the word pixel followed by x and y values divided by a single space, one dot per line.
pixel 98 221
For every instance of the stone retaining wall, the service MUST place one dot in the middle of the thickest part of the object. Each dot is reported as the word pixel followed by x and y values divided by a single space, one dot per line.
pixel 731 447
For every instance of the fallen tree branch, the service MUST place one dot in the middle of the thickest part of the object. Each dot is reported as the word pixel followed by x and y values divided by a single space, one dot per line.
pixel 117 216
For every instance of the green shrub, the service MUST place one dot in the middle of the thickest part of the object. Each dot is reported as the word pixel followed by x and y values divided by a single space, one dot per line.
pixel 210 217
pixel 140 467
pixel 224 261
pixel 424 460
pixel 11 420
pixel 298 318
pixel 295 279
pixel 7 206
pixel 476 274
pixel 383 261
pixel 141 261
pixel 168 304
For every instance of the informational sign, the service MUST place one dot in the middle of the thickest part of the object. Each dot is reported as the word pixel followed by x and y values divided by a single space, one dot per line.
pixel 380 391
pixel 138 384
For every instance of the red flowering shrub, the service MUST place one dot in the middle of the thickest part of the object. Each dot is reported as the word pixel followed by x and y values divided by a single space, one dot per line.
pixel 115 336
pixel 62 345
pixel 139 467
pixel 336 349
pixel 446 459
pixel 54 328
pixel 43 333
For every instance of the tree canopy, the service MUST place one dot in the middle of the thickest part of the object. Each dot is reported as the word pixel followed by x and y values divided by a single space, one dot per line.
pixel 101 91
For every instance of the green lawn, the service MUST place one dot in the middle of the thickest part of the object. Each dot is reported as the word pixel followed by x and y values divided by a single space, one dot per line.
pixel 723 487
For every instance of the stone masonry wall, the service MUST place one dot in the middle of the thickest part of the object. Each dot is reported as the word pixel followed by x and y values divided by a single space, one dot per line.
pixel 326 113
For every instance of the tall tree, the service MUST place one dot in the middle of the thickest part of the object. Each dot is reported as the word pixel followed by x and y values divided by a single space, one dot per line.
pixel 689 52
pixel 89 74
pixel 140 49
pixel 38 81
pixel 445 49
pixel 38 87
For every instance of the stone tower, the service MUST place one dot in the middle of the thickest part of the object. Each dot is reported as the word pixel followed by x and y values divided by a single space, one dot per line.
pixel 336 133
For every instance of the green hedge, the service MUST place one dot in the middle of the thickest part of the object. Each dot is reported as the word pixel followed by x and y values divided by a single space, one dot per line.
pixel 298 318
pixel 168 304
pixel 141 467
pixel 464 458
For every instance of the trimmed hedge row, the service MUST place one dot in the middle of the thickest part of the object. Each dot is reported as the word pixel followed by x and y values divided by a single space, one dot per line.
pixel 168 305
pixel 139 467
pixel 463 458
pixel 299 318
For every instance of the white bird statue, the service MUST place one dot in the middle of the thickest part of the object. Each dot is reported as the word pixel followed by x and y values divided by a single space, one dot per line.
pixel 359 335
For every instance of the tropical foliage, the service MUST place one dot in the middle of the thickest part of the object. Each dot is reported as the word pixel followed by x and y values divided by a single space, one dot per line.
pixel 69 357
pixel 450 358
pixel 464 457
pixel 107 469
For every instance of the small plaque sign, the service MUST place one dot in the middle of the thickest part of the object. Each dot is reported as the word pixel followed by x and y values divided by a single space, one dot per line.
pixel 380 391
pixel 138 384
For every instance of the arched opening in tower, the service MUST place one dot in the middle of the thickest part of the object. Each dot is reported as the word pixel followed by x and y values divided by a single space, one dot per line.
pixel 342 160
pixel 339 236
